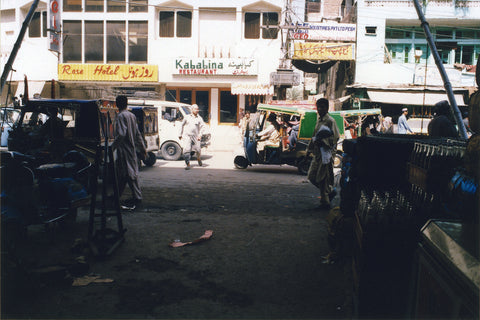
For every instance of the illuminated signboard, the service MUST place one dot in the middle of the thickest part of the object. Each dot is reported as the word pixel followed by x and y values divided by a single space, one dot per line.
pixel 324 51
pixel 108 72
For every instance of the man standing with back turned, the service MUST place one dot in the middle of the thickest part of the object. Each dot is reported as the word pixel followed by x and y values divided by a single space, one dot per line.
pixel 323 146
pixel 191 129
pixel 128 141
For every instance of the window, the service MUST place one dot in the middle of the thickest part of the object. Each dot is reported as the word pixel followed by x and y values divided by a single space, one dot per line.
pixel 444 34
pixel 270 19
pixel 115 42
pixel 183 24
pixel 138 6
pixel 167 24
pixel 94 5
pixel 202 99
pixel 72 41
pixel 191 96
pixel 372 30
pixel 137 41
pixel 94 41
pixel 228 107
pixel 398 33
pixel 464 54
pixel 38 26
pixel 116 6
pixel 72 5
pixel 252 25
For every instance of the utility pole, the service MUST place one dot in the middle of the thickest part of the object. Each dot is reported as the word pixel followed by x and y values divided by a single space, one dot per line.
pixel 18 43
pixel 285 77
pixel 438 61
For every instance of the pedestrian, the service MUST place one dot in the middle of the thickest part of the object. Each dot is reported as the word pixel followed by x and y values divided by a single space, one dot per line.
pixel 244 123
pixel 441 126
pixel 323 146
pixel 128 141
pixel 191 129
pixel 403 127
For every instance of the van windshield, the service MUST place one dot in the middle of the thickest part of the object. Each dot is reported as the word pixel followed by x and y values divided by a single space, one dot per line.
pixel 186 109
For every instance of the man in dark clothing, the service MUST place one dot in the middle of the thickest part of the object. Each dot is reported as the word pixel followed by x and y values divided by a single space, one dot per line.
pixel 441 126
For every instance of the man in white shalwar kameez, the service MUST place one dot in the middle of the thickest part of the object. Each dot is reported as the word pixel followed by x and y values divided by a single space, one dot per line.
pixel 128 141
pixel 191 131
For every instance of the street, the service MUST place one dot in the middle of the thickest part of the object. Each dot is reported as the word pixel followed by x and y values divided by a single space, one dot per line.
pixel 264 260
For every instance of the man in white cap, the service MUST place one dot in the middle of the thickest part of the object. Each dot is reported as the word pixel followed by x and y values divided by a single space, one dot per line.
pixel 403 126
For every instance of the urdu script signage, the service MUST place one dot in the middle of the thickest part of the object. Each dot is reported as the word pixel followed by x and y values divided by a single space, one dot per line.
pixel 213 67
pixel 324 51
pixel 108 72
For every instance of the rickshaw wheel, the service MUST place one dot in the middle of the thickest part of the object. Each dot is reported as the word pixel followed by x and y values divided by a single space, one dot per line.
pixel 171 151
pixel 337 162
pixel 240 162
pixel 303 165
pixel 150 160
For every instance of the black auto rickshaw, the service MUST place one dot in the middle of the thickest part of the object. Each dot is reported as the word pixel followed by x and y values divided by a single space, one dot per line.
pixel 147 119
pixel 48 128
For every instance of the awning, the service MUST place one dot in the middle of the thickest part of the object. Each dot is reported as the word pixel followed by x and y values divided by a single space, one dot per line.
pixel 34 87
pixel 411 98
pixel 312 67
pixel 252 88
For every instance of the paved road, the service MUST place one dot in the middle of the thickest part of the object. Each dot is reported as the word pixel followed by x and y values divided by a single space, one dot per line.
pixel 263 261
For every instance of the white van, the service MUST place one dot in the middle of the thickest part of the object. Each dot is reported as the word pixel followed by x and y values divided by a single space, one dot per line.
pixel 170 117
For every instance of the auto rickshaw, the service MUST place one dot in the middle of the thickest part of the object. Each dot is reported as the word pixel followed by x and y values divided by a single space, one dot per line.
pixel 147 119
pixel 82 125
pixel 303 114
pixel 349 124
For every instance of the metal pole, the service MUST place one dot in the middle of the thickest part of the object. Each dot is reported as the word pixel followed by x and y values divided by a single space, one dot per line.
pixel 18 43
pixel 446 82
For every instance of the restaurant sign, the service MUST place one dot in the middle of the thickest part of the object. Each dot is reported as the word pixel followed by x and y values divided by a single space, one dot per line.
pixel 324 51
pixel 325 31
pixel 108 72
pixel 214 67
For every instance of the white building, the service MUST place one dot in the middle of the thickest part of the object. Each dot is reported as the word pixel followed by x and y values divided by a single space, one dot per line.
pixel 218 54
pixel 392 50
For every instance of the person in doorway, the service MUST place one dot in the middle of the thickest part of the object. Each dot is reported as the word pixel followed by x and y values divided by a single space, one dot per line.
pixel 191 131
pixel 441 126
pixel 243 123
pixel 128 141
pixel 323 146
pixel 403 127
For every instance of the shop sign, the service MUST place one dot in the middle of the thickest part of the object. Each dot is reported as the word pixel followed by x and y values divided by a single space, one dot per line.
pixel 108 72
pixel 252 88
pixel 325 31
pixel 214 67
pixel 324 51
pixel 54 25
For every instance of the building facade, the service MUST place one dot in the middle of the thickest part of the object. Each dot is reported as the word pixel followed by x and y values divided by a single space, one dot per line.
pixel 393 54
pixel 217 54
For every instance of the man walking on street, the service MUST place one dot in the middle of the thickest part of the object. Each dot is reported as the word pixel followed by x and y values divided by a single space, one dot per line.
pixel 403 127
pixel 128 141
pixel 191 129
pixel 323 146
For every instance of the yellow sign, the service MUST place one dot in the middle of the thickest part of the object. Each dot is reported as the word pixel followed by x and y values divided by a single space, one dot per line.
pixel 108 72
pixel 324 51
